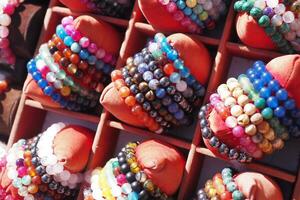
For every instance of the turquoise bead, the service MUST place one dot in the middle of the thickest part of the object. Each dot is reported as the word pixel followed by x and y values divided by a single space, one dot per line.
pixel 237 195
pixel 226 171
pixel 231 186
pixel 277 37
pixel 175 77
pixel 115 164
pixel 178 64
pixel 255 12
pixel 227 180
pixel 68 41
pixel 157 53
pixel 185 72
pixel 198 9
pixel 284 28
pixel 133 196
pixel 26 180
pixel 165 46
pixel 264 21
pixel 270 30
pixel 267 113
pixel 172 55
pixel 17 183
pixel 75 47
pixel 159 37
pixel 238 6
pixel 247 6
pixel 61 74
pixel 260 103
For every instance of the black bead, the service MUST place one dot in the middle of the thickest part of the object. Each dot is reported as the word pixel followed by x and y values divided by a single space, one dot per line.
pixel 178 97
pixel 233 154
pixel 214 142
pixel 163 123
pixel 153 113
pixel 147 106
pixel 206 132
pixel 122 160
pixel 46 178
pixel 53 185
pixel 53 49
pixel 128 81
pixel 130 177
pixel 203 122
pixel 163 111
pixel 67 192
pixel 140 97
pixel 171 90
pixel 152 66
pixel 40 170
pixel 166 101
pixel 78 74
pixel 35 161
pixel 164 81
pixel 158 119
pixel 202 114
pixel 148 58
pixel 242 158
pixel 136 186
pixel 125 168
pixel 156 104
pixel 158 73
pixel 60 189
pixel 144 195
pixel 137 78
pixel 134 89
pixel 223 149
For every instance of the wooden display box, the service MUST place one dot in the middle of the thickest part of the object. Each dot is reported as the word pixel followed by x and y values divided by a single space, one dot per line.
pixel 224 47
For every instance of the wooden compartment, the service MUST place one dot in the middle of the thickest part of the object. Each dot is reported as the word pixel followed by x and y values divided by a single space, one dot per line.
pixel 225 49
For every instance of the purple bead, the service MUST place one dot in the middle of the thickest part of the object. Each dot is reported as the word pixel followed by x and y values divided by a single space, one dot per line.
pixel 67 20
pixel 268 11
pixel 93 48
pixel 69 29
pixel 20 162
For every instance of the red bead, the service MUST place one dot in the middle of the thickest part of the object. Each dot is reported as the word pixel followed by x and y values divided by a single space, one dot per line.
pixel 36 180
pixel 115 75
pixel 74 58
pixel 225 196
pixel 169 69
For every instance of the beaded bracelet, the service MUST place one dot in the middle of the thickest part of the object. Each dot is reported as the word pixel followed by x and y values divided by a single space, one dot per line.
pixel 227 177
pixel 231 153
pixel 7 8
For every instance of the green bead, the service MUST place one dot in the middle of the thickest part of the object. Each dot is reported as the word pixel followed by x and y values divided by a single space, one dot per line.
pixel 282 43
pixel 256 12
pixel 17 183
pixel 247 6
pixel 276 37
pixel 231 186
pixel 61 74
pixel 157 53
pixel 26 180
pixel 264 21
pixel 237 195
pixel 274 122
pixel 227 180
pixel 267 113
pixel 260 103
pixel 238 6
pixel 284 28
pixel 270 30
pixel 252 94
pixel 115 164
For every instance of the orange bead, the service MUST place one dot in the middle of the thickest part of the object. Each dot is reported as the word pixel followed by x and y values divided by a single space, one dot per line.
pixel 36 180
pixel 217 176
pixel 31 171
pixel 225 196
pixel 33 188
pixel 136 110
pixel 130 101
pixel 27 162
pixel 74 58
pixel 3 85
pixel 57 56
pixel 115 75
pixel 60 46
pixel 83 65
pixel 155 127
pixel 65 91
pixel 124 92
pixel 119 83
pixel 56 39
pixel 169 69
pixel 72 68
pixel 67 53
pixel 27 154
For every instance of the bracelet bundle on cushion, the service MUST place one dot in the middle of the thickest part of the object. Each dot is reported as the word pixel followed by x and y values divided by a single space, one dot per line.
pixel 71 69
pixel 222 186
pixel 36 172
pixel 258 112
pixel 115 8
pixel 195 15
pixel 123 178
pixel 157 86
pixel 279 19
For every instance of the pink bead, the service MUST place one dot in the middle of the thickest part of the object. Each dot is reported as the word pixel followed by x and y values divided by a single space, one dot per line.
pixel 44 71
pixel 251 147
pixel 192 28
pixel 178 15
pixel 186 21
pixel 238 131
pixel 84 42
pixel 171 7
pixel 231 122
pixel 22 171
pixel 3 31
pixel 3 162
pixel 76 35
pixel 107 58
pixel 100 53
pixel 164 2
pixel 214 96
pixel 93 48
pixel 257 154
pixel 4 43
pixel 69 29
pixel 245 141
pixel 9 9
pixel 67 20
pixel 121 179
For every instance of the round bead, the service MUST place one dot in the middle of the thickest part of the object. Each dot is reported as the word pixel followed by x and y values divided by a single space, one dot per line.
pixel 250 129
pixel 249 109
pixel 236 110
pixel 231 122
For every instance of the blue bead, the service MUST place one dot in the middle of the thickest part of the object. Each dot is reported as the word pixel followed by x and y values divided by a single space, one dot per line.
pixel 261 69
pixel 200 92
pixel 185 72
pixel 257 64
pixel 107 69
pixel 290 104
pixel 55 97
pixel 75 47
pixel 279 111
pixel 142 68
pixel 272 102
pixel 250 71
pixel 36 75
pixel 172 55
pixel 160 93
pixel 148 76
pixel 265 92
pixel 92 60
pixel 181 4
pixel 266 76
pixel 178 64
pixel 197 86
pixel 165 46
pixel 68 41
pixel 282 95
pixel 252 77
pixel 84 54
pixel 287 121
pixel 133 196
pixel 48 90
pixel 63 103
pixel 187 11
pixel 295 113
pixel 173 108
pixel 159 38
pixel 99 65
pixel 193 17
pixel 31 68
pixel 166 101
pixel 258 84
pixel 59 27
pixel 175 77
pixel 179 115
pixel 190 80
pixel 274 85
pixel 42 83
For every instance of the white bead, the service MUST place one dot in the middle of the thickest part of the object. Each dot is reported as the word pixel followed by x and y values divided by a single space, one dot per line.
pixel 52 159
pixel 276 20
pixel 126 188
pixel 23 191
pixel 272 3
pixel 222 88
pixel 236 110
pixel 12 173
pixel 73 179
pixel 5 20
pixel 58 168
pixel 260 4
pixel 65 175
pixel 50 170
pixel 279 9
pixel 97 194
pixel 249 109
pixel 164 2
pixel 233 85
pixel 116 191
pixel 230 101
pixel 29 197
pixel 181 86
pixel 58 84
pixel 288 17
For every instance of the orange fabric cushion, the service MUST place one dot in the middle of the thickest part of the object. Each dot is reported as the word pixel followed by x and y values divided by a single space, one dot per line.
pixel 162 163
pixel 72 146
pixel 285 69
pixel 108 38
pixel 251 34
pixel 196 57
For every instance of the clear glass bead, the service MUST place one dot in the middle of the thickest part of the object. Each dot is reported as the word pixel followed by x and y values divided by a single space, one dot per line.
pixel 279 9
pixel 288 17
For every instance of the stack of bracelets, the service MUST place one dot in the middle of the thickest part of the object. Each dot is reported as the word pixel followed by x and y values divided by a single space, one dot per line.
pixel 71 69
pixel 257 110
pixel 123 178
pixel 195 15
pixel 278 18
pixel 221 187
pixel 113 8
pixel 35 171
pixel 7 8
pixel 157 87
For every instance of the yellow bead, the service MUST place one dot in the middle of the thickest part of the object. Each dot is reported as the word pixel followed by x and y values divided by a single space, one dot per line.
pixel 278 144
pixel 270 135
pixel 212 192
pixel 203 16
pixel 65 91
pixel 33 188
pixel 191 3
pixel 134 167
pixel 72 69
pixel 149 186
